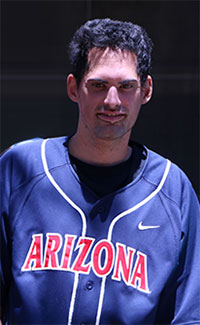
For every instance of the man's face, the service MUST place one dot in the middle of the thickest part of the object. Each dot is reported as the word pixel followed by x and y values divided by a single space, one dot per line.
pixel 109 95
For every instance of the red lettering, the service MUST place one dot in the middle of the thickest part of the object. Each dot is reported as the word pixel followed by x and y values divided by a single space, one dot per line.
pixel 34 256
pixel 67 251
pixel 139 277
pixel 79 263
pixel 102 258
pixel 123 263
pixel 101 246
pixel 53 244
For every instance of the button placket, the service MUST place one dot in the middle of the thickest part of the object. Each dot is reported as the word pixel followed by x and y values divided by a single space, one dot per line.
pixel 89 285
pixel 101 209
pixel 97 210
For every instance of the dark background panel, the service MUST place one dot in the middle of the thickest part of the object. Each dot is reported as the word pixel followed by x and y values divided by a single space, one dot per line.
pixel 34 66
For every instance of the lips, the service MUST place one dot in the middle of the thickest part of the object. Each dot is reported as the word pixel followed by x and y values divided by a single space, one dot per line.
pixel 111 117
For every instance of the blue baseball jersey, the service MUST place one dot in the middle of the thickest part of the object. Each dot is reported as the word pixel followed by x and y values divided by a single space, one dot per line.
pixel 62 263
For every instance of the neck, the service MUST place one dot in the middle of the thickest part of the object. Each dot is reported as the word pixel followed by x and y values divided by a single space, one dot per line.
pixel 100 152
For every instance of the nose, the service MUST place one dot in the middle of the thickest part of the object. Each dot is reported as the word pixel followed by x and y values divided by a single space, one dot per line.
pixel 112 98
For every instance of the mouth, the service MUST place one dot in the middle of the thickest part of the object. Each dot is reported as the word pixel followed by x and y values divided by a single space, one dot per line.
pixel 111 117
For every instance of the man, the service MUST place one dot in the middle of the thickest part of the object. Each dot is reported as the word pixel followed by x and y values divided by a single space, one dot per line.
pixel 97 229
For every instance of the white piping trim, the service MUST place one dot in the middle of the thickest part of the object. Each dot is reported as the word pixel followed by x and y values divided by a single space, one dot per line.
pixel 137 206
pixel 101 297
pixel 62 193
pixel 73 298
pixel 143 202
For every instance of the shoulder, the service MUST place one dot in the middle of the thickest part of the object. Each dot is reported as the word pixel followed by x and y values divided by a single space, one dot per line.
pixel 30 150
pixel 176 186
pixel 23 160
pixel 21 147
pixel 22 154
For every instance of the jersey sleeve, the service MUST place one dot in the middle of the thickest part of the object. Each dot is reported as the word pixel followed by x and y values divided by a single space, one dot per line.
pixel 15 171
pixel 6 163
pixel 187 301
pixel 180 298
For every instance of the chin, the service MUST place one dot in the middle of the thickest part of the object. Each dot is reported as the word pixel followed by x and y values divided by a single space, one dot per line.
pixel 112 132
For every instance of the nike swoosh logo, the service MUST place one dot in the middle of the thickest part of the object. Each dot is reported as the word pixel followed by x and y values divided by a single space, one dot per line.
pixel 142 227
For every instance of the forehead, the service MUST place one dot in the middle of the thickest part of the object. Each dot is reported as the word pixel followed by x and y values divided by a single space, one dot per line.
pixel 101 59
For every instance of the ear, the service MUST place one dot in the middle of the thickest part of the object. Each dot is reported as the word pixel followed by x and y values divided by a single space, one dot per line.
pixel 72 88
pixel 147 90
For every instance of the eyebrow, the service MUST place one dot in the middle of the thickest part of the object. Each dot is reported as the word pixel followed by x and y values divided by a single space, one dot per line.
pixel 97 80
pixel 106 82
pixel 128 81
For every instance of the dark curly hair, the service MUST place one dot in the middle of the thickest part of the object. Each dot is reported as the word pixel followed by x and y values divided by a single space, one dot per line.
pixel 115 34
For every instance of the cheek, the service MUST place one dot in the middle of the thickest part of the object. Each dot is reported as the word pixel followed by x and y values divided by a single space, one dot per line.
pixel 97 97
pixel 86 110
pixel 129 98
pixel 91 99
pixel 134 105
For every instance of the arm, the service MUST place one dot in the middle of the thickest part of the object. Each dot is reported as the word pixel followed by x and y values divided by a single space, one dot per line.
pixel 187 302
pixel 5 271
pixel 180 299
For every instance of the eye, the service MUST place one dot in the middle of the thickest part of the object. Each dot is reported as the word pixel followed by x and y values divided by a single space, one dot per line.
pixel 128 86
pixel 98 85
